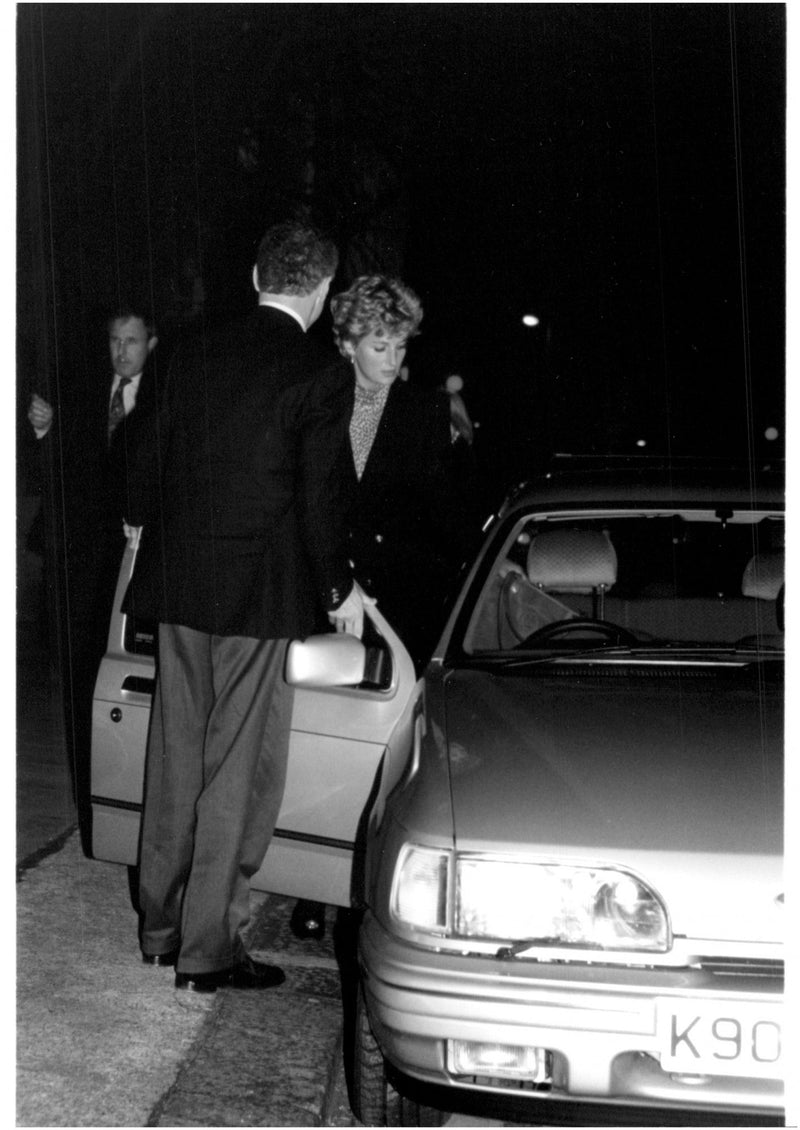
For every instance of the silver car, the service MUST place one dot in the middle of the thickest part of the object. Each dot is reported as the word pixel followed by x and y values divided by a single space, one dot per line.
pixel 345 740
pixel 571 830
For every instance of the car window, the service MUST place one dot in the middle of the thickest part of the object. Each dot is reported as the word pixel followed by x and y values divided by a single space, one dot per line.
pixel 378 661
pixel 689 577
pixel 141 636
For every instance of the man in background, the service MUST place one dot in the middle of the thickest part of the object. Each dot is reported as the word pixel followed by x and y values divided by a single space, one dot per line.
pixel 88 439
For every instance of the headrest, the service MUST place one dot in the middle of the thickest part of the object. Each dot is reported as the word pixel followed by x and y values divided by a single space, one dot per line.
pixel 763 575
pixel 572 560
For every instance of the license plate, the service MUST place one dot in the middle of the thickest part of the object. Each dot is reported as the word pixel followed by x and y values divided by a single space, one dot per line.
pixel 720 1038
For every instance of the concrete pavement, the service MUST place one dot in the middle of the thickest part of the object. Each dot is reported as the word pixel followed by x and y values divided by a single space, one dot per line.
pixel 102 1039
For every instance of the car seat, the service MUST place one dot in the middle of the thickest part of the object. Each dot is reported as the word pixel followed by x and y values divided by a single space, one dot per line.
pixel 763 579
pixel 573 561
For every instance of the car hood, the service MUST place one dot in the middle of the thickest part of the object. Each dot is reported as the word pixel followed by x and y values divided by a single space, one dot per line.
pixel 676 774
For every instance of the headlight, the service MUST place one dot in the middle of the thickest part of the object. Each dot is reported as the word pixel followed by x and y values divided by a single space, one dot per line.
pixel 549 904
pixel 556 904
pixel 419 891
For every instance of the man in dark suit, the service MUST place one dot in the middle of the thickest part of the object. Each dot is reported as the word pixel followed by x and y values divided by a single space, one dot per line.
pixel 89 442
pixel 243 547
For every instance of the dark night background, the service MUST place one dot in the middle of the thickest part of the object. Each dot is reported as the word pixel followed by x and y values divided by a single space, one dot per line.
pixel 617 170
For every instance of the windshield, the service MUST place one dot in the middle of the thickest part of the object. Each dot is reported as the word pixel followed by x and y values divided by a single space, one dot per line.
pixel 679 578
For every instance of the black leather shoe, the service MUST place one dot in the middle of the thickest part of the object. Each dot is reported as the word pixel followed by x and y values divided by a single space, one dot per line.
pixel 246 974
pixel 203 982
pixel 250 974
pixel 168 958
pixel 308 919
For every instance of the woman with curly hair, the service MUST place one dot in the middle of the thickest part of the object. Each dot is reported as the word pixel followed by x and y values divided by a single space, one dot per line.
pixel 409 528
pixel 408 520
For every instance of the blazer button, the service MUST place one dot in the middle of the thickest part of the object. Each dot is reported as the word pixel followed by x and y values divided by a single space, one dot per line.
pixel 379 538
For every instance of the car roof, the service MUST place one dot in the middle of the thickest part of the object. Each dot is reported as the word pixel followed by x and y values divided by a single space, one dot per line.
pixel 596 482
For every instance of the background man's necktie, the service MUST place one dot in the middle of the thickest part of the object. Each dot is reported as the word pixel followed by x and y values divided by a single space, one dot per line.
pixel 116 410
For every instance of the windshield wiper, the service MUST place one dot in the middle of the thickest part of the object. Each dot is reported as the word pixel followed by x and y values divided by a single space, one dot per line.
pixel 581 653
pixel 655 651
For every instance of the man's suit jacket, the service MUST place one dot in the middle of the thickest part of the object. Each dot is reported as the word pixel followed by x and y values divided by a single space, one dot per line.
pixel 80 523
pixel 134 430
pixel 242 511
pixel 90 476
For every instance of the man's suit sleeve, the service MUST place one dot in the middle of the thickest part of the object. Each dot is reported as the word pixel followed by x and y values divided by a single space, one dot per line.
pixel 321 417
pixel 145 461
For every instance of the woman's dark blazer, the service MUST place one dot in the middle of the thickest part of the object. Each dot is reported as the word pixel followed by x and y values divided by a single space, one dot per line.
pixel 241 504
pixel 409 528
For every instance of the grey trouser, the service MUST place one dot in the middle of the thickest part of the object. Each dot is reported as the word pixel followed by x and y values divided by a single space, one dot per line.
pixel 216 769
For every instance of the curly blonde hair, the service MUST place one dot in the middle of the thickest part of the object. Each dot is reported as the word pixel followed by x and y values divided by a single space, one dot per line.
pixel 375 304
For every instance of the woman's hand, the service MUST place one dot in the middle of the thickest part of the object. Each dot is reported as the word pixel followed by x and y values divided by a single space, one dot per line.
pixel 349 616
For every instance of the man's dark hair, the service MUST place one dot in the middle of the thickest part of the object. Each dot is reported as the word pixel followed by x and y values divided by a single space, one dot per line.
pixel 126 309
pixel 294 258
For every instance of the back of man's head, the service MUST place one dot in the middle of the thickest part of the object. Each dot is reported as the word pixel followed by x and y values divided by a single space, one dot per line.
pixel 294 258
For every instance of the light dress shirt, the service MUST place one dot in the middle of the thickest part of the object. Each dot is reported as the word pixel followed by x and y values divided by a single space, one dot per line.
pixel 286 310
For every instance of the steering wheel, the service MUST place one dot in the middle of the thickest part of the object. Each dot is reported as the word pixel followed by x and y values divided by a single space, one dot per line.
pixel 605 628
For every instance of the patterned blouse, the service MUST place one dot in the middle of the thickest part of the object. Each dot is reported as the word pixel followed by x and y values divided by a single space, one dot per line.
pixel 367 412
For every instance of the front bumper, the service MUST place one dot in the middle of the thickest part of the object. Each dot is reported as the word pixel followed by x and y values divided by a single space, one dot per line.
pixel 597 1021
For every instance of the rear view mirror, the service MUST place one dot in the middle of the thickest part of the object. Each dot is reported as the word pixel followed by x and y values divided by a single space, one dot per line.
pixel 335 659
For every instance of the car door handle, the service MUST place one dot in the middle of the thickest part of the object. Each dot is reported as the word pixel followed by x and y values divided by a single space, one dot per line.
pixel 139 684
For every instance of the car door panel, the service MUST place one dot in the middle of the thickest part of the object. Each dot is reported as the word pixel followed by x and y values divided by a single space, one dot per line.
pixel 338 742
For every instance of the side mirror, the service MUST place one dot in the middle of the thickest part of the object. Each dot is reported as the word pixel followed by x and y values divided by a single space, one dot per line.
pixel 334 659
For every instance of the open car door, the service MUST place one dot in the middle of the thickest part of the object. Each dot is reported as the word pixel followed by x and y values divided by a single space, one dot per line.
pixel 347 742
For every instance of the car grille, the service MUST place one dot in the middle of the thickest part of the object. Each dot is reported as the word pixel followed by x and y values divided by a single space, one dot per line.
pixel 741 967
pixel 504 1084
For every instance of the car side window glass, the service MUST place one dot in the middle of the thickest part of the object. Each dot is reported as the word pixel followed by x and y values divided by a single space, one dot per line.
pixel 141 638
pixel 378 667
pixel 140 635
